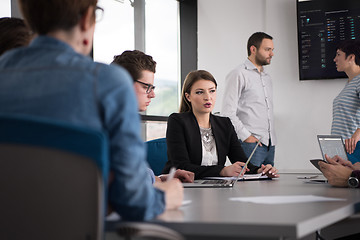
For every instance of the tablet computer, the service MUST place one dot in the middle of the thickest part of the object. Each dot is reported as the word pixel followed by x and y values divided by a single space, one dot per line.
pixel 315 162
pixel 332 145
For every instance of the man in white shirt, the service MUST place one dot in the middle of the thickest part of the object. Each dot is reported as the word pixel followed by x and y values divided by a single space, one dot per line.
pixel 248 100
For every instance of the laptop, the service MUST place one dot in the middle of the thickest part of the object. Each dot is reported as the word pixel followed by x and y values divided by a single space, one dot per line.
pixel 332 145
pixel 212 183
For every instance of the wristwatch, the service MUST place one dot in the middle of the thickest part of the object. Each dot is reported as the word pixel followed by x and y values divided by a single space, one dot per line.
pixel 353 180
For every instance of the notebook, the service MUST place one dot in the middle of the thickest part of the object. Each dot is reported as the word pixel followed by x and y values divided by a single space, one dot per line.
pixel 332 145
pixel 219 183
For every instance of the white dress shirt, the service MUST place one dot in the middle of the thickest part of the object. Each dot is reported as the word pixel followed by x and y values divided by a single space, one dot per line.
pixel 248 102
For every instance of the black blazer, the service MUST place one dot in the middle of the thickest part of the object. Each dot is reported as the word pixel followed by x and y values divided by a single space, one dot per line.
pixel 184 147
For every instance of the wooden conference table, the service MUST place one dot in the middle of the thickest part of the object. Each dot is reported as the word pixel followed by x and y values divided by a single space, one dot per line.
pixel 211 215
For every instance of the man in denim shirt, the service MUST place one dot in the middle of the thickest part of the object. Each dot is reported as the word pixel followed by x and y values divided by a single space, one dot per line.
pixel 53 79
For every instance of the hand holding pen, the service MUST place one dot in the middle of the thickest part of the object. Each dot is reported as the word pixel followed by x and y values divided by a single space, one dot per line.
pixel 171 174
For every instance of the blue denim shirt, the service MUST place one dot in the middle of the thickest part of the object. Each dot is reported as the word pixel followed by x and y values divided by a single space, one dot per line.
pixel 49 79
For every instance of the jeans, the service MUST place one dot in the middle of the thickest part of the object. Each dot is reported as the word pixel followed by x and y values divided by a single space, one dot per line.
pixel 263 154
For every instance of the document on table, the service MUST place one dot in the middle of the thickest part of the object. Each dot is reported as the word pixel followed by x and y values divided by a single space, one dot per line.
pixel 285 199
pixel 258 176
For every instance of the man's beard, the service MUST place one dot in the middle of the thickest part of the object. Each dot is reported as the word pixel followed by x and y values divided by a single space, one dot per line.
pixel 261 62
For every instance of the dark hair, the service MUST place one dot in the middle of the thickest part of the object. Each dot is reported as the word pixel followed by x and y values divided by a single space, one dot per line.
pixel 44 16
pixel 351 47
pixel 256 40
pixel 191 78
pixel 135 62
pixel 13 34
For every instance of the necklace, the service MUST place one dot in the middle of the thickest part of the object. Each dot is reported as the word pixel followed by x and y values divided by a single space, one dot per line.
pixel 207 138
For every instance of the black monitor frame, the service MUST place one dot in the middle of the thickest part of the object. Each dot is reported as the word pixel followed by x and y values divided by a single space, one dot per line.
pixel 321 26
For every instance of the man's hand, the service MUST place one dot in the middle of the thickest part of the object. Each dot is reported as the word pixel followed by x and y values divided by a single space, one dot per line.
pixel 356 166
pixel 174 193
pixel 336 173
pixel 339 160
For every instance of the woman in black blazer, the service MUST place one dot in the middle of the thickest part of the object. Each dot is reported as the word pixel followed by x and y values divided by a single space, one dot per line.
pixel 199 141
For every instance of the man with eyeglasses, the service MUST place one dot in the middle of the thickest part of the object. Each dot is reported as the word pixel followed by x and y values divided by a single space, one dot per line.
pixel 142 69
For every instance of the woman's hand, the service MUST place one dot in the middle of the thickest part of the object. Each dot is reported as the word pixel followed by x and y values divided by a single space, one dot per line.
pixel 350 143
pixel 182 175
pixel 233 170
pixel 268 170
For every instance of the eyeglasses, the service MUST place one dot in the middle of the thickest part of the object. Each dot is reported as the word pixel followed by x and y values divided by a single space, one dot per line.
pixel 149 88
pixel 99 13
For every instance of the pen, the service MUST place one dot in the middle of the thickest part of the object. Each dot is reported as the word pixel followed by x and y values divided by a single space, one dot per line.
pixel 319 180
pixel 171 174
pixel 252 153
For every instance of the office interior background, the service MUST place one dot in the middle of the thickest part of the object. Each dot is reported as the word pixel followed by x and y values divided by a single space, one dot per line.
pixel 302 109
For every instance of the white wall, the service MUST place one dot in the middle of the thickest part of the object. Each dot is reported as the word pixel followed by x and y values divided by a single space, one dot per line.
pixel 302 109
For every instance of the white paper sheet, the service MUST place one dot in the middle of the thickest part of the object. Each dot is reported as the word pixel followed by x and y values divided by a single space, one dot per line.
pixel 245 177
pixel 285 199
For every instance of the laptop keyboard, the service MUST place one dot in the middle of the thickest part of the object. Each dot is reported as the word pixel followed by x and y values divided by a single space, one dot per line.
pixel 215 182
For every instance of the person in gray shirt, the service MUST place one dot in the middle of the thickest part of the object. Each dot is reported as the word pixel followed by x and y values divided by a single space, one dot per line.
pixel 248 100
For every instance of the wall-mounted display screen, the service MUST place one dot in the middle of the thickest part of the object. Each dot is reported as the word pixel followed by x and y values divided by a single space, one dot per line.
pixel 322 24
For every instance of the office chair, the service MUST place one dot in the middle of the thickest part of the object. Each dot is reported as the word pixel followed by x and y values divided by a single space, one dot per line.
pixel 51 180
pixel 52 177
pixel 138 230
pixel 157 154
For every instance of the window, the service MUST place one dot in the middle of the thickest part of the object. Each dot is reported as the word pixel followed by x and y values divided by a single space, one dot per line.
pixel 161 41
pixel 115 32
pixel 169 24
pixel 155 129
pixel 5 9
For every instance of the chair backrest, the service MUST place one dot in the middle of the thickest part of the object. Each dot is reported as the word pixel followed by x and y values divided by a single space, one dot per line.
pixel 52 178
pixel 157 154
